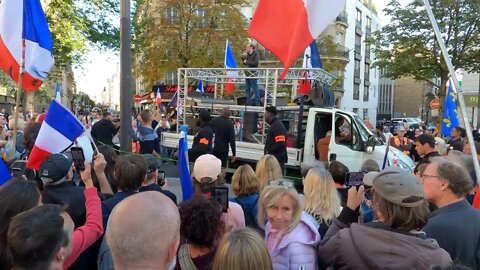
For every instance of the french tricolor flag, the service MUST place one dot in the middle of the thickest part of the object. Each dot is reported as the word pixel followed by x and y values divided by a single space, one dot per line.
pixel 23 27
pixel 59 130
pixel 287 27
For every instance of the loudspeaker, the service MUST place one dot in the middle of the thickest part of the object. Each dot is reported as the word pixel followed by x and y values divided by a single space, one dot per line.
pixel 242 101
pixel 250 122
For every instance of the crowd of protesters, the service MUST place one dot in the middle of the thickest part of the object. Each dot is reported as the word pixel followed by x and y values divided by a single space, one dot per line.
pixel 115 214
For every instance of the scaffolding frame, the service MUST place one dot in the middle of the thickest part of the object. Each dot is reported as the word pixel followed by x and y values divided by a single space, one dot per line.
pixel 220 76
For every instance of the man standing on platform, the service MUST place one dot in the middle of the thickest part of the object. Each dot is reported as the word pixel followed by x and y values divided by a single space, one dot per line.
pixel 250 59
pixel 224 136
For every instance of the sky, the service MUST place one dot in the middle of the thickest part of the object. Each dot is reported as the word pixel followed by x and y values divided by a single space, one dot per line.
pixel 91 77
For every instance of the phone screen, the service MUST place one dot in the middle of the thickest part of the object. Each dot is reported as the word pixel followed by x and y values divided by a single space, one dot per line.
pixel 78 158
pixel 220 195
pixel 354 179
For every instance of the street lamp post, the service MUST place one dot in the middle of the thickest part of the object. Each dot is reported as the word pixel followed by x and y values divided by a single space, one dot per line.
pixel 125 78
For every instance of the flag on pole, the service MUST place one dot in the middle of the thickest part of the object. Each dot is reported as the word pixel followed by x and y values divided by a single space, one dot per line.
pixel 57 93
pixel 59 130
pixel 200 87
pixel 450 116
pixel 287 27
pixel 158 100
pixel 231 75
pixel 311 59
pixel 183 169
pixel 5 175
pixel 173 101
pixel 23 25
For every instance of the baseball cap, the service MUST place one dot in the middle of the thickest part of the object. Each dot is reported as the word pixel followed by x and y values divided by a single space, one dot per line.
pixel 151 162
pixel 207 166
pixel 55 167
pixel 397 186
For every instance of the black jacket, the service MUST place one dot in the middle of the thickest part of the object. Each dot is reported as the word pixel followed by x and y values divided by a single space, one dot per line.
pixel 156 187
pixel 224 135
pixel 456 144
pixel 276 142
pixel 252 62
pixel 69 194
pixel 202 143
pixel 103 132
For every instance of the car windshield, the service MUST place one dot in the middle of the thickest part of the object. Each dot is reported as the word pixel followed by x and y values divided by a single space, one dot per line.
pixel 365 133
pixel 411 120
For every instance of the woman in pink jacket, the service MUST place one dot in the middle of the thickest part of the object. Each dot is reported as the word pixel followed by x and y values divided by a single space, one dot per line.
pixel 291 239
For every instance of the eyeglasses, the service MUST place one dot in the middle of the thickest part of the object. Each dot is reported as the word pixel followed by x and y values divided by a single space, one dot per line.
pixel 284 183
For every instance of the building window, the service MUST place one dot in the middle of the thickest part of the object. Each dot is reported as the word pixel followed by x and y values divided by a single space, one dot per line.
pixel 368 22
pixel 367 72
pixel 355 110
pixel 366 93
pixel 171 15
pixel 365 113
pixel 357 69
pixel 171 78
pixel 356 91
pixel 359 16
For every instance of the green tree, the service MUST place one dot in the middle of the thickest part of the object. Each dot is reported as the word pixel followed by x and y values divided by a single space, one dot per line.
pixel 171 34
pixel 407 45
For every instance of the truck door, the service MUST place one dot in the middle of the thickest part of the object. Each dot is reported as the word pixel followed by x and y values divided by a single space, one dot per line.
pixel 345 142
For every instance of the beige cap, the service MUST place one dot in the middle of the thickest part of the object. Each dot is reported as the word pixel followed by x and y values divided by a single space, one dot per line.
pixel 207 166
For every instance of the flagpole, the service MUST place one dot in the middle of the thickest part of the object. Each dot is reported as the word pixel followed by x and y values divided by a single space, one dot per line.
pixel 17 101
pixel 460 98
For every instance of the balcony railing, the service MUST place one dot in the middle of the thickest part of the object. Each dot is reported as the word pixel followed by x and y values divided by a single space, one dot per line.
pixel 358 48
pixel 358 24
pixel 356 95
pixel 356 73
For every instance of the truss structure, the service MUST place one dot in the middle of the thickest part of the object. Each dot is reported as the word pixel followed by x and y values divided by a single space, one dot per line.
pixel 266 77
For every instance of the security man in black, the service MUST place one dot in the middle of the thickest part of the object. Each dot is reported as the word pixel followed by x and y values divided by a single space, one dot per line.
pixel 203 140
pixel 276 142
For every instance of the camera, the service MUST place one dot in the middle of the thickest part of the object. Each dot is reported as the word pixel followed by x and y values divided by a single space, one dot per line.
pixel 243 56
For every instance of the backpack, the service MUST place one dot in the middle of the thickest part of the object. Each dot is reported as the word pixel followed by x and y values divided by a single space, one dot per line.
pixel 250 218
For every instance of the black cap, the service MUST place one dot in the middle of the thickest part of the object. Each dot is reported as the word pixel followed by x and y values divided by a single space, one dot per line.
pixel 204 115
pixel 271 109
pixel 55 167
pixel 152 162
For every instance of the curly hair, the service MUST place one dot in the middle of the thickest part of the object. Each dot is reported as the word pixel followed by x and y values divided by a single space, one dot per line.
pixel 201 221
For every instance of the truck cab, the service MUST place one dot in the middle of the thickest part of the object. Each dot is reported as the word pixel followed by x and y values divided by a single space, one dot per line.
pixel 333 134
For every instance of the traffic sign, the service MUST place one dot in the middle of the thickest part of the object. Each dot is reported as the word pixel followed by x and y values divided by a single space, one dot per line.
pixel 435 104
pixel 137 98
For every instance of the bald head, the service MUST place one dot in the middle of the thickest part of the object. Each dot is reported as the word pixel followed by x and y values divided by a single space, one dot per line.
pixel 226 112
pixel 143 232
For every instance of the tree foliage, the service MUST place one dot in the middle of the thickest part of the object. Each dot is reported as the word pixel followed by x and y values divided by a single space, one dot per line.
pixel 407 45
pixel 75 24
pixel 171 34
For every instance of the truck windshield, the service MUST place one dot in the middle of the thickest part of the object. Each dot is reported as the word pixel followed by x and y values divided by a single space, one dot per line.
pixel 365 133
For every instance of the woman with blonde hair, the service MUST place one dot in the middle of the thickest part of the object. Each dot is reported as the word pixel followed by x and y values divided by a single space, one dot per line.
pixel 242 249
pixel 268 169
pixel 291 239
pixel 247 188
pixel 322 202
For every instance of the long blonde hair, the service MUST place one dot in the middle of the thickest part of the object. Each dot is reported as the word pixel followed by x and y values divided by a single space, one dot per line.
pixel 270 197
pixel 242 249
pixel 267 169
pixel 321 195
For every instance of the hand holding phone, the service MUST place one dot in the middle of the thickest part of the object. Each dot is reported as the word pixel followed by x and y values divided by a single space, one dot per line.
pixel 99 163
pixel 354 179
pixel 220 195
pixel 78 158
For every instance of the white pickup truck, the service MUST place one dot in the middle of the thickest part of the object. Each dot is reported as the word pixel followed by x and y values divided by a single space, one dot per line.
pixel 306 126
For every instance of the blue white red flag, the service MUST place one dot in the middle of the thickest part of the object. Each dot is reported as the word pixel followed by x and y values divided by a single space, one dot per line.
pixel 200 87
pixel 183 169
pixel 173 101
pixel 159 100
pixel 23 25
pixel 287 27
pixel 59 130
pixel 231 75
pixel 311 58
pixel 58 97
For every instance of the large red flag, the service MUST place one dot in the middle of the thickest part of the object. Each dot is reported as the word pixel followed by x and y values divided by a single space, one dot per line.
pixel 287 27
